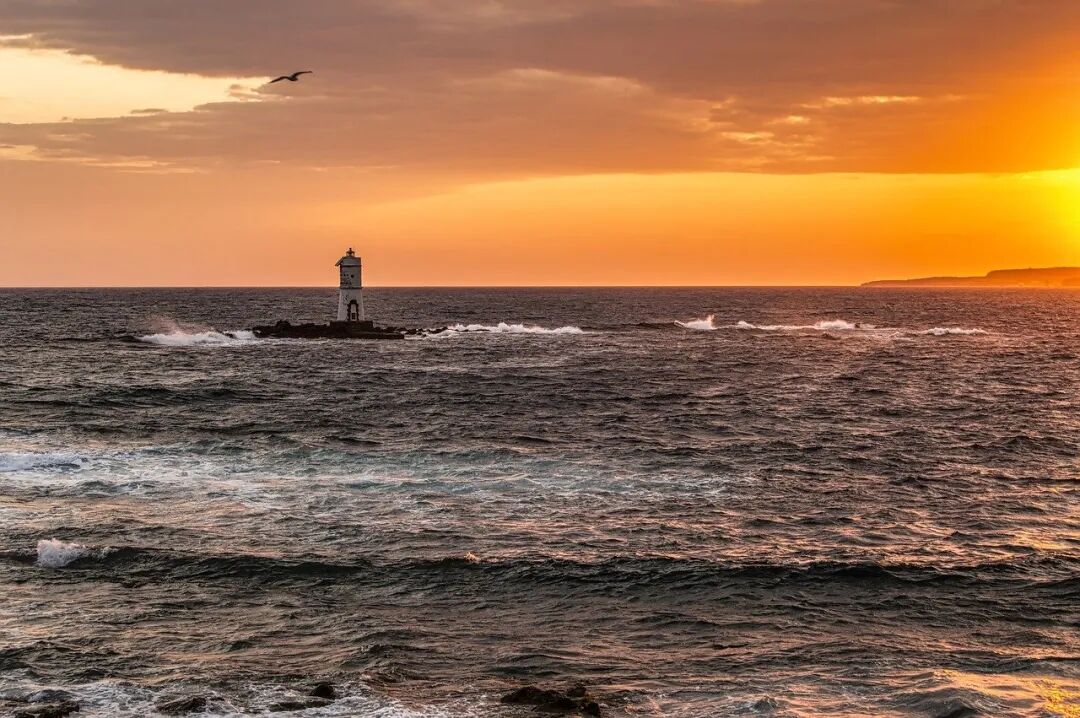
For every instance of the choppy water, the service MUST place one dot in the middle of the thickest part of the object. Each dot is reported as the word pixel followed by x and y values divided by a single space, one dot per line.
pixel 701 502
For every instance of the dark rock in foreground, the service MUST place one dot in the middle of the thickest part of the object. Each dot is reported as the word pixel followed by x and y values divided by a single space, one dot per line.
pixel 47 710
pixel 963 711
pixel 324 690
pixel 298 705
pixel 50 695
pixel 574 700
pixel 334 330
pixel 180 706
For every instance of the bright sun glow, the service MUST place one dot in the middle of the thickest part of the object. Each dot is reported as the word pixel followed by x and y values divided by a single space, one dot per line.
pixel 51 86
pixel 1063 188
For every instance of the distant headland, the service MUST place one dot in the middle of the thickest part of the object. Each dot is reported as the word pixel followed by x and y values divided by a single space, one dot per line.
pixel 1045 277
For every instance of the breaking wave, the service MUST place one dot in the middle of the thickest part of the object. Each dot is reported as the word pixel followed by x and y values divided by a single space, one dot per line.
pixel 841 325
pixel 172 333
pixel 54 553
pixel 945 331
pixel 179 338
pixel 701 325
pixel 505 328
pixel 830 325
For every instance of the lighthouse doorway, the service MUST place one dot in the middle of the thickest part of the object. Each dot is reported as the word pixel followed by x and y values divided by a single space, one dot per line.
pixel 353 311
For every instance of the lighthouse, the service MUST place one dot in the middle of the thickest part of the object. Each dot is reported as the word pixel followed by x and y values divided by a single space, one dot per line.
pixel 350 307
pixel 350 322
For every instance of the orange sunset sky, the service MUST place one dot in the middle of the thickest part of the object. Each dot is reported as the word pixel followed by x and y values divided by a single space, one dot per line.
pixel 536 142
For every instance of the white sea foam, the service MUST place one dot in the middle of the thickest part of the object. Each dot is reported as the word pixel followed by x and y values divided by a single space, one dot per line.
pixel 54 553
pixel 209 337
pixel 700 325
pixel 506 328
pixel 841 325
pixel 34 461
pixel 118 699
pixel 829 325
pixel 945 331
pixel 168 332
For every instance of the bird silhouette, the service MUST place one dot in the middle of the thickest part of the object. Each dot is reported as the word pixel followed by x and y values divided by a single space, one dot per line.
pixel 291 78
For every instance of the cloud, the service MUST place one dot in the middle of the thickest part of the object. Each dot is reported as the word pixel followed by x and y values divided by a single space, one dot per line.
pixel 50 85
pixel 520 88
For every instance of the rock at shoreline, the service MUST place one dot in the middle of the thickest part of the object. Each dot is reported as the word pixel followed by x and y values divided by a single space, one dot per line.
pixel 298 705
pixel 50 695
pixel 182 705
pixel 47 710
pixel 574 700
pixel 334 330
pixel 542 698
pixel 963 711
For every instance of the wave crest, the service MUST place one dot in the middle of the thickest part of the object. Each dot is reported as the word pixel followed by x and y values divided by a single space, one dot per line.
pixel 828 325
pixel 506 328
pixel 54 553
pixel 179 338
pixel 945 331
pixel 168 332
pixel 841 325
pixel 708 324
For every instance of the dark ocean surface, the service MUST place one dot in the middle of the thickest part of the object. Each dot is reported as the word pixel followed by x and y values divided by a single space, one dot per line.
pixel 833 502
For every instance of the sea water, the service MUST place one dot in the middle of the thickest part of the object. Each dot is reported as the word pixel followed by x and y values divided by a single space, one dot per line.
pixel 699 502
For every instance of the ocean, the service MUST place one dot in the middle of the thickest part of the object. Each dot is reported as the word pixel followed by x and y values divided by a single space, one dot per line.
pixel 697 502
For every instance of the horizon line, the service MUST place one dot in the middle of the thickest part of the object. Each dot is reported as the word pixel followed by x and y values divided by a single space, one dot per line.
pixel 430 286
pixel 872 284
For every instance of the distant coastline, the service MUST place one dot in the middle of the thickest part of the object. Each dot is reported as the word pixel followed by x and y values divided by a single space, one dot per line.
pixel 1044 277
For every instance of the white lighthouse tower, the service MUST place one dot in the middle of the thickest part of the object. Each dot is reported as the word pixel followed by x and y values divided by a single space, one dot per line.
pixel 350 306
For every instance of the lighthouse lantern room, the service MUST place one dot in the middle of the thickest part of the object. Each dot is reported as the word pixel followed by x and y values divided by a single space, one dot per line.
pixel 351 294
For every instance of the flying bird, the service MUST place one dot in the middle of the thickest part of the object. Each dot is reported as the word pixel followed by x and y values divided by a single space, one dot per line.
pixel 291 78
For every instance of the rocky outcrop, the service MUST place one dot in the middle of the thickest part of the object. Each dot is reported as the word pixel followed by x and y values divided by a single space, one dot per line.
pixel 334 330
pixel 573 700
pixel 182 705
pixel 50 695
pixel 298 705
pixel 324 690
pixel 962 711
pixel 57 709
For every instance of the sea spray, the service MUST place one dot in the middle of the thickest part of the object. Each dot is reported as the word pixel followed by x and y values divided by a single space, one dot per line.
pixel 54 553
pixel 209 337
pixel 700 325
